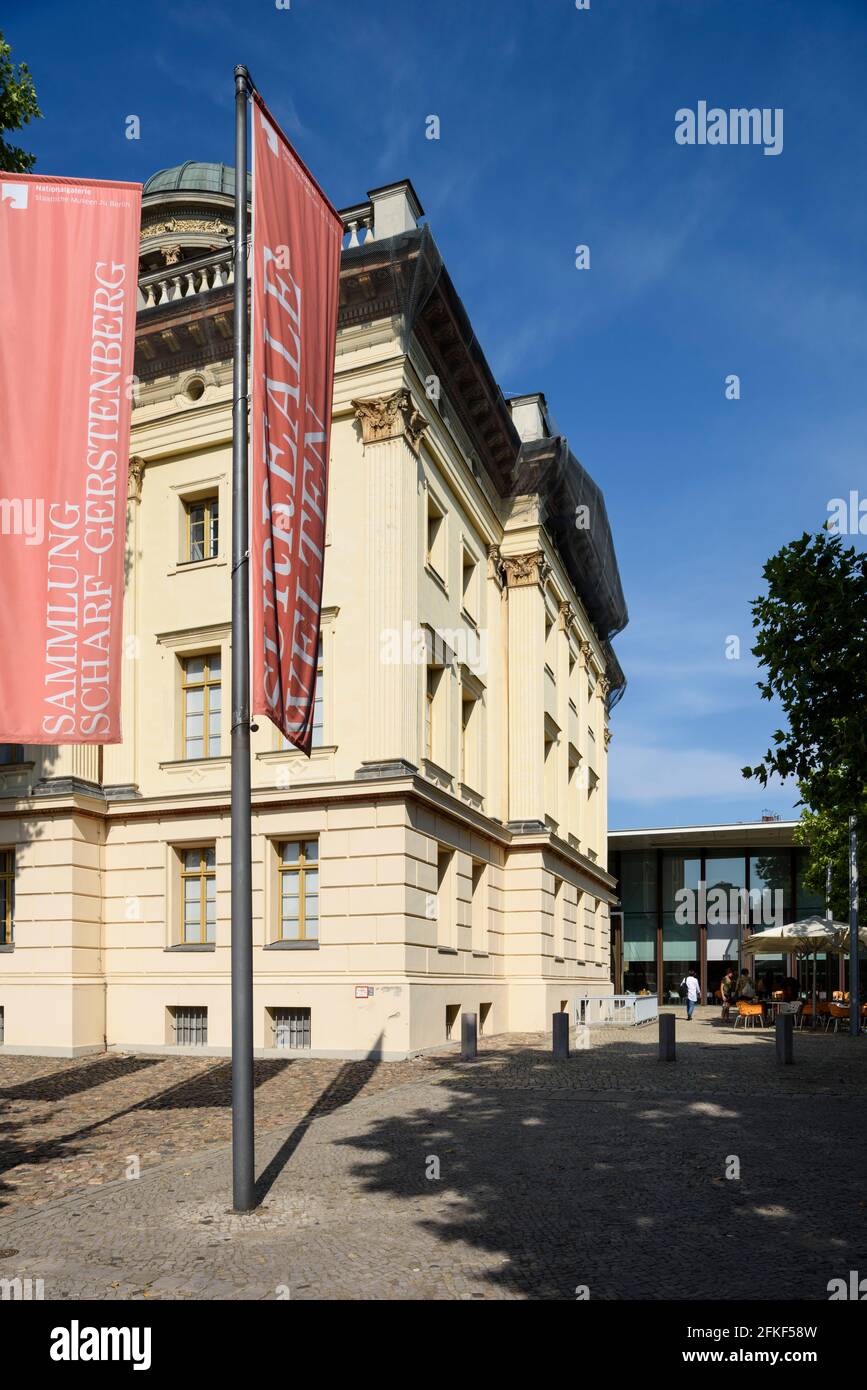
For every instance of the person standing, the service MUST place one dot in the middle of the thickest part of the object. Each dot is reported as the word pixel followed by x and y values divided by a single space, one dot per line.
pixel 744 987
pixel 727 989
pixel 690 984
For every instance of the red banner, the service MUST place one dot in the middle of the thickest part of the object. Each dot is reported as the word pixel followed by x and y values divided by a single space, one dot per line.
pixel 68 291
pixel 297 238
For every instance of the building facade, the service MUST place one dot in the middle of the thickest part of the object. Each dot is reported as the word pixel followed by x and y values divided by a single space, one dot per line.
pixel 690 896
pixel 444 847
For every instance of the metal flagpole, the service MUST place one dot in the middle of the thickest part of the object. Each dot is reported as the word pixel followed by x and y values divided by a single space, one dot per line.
pixel 243 1172
pixel 854 963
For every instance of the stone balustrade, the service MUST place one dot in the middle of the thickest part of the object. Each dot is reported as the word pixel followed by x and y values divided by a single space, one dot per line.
pixel 390 211
pixel 186 280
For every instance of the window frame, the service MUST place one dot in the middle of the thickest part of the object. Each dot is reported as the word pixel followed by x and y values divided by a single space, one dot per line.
pixel 206 685
pixel 203 872
pixel 210 503
pixel 7 876
pixel 299 869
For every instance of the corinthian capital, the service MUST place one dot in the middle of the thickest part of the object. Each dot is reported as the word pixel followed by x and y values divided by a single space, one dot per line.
pixel 525 570
pixel 390 417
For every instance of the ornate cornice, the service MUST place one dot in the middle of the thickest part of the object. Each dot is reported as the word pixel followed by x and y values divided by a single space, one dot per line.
pixel 390 417
pixel 526 570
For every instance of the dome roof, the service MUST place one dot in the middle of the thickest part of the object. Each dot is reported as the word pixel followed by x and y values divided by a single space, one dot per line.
pixel 192 177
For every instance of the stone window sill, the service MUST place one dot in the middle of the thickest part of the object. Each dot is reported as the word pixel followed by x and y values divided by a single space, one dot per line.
pixel 8 947
pixel 193 946
pixel 446 951
pixel 291 946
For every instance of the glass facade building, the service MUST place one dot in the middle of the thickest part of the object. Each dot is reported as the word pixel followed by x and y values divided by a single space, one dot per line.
pixel 691 897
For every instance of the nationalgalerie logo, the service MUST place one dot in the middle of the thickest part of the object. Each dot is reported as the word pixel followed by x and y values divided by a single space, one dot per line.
pixel 15 194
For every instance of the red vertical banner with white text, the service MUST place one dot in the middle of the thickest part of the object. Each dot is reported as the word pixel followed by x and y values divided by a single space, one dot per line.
pixel 68 291
pixel 297 239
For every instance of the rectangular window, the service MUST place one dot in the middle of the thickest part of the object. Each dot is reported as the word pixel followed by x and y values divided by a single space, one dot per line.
pixel 559 918
pixel 468 759
pixel 11 753
pixel 480 906
pixel 202 695
pixel 291 1028
pixel 469 600
pixel 445 907
pixel 550 771
pixel 299 890
pixel 7 896
pixel 190 1026
pixel 203 529
pixel 431 732
pixel 436 537
pixel 199 896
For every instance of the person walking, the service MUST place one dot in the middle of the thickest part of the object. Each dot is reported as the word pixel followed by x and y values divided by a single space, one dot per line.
pixel 727 989
pixel 692 989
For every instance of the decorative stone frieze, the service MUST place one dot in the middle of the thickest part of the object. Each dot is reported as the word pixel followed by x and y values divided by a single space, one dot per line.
pixel 390 417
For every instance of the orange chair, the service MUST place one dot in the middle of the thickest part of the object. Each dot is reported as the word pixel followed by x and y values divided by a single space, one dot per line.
pixel 836 1012
pixel 749 1013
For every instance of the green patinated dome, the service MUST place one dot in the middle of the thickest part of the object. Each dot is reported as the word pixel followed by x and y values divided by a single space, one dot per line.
pixel 193 177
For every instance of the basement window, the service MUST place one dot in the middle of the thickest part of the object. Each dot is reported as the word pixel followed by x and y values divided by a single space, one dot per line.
pixel 291 1028
pixel 189 1026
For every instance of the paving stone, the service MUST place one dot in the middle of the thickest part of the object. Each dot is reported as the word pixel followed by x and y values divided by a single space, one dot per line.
pixel 551 1175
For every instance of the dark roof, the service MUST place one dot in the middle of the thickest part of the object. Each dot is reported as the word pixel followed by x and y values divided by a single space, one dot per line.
pixel 193 177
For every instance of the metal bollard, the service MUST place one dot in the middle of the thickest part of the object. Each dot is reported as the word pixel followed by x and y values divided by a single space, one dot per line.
pixel 784 1028
pixel 561 1035
pixel 666 1038
pixel 469 1037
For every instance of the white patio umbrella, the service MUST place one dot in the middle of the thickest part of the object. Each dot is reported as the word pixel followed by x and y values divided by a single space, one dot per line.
pixel 808 937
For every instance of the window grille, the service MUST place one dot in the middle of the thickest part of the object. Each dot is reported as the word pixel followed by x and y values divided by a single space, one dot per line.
pixel 292 1028
pixel 191 1027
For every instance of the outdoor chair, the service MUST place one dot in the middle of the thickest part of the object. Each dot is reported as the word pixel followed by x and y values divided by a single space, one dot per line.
pixel 749 1013
pixel 837 1012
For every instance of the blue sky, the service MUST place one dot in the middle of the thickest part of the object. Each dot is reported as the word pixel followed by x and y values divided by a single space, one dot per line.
pixel 557 128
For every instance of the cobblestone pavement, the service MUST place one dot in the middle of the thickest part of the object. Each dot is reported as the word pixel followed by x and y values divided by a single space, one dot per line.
pixel 510 1177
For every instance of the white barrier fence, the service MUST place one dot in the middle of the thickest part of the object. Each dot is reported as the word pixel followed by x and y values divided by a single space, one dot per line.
pixel 616 1010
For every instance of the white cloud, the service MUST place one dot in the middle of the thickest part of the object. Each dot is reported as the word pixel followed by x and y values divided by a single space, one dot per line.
pixel 645 773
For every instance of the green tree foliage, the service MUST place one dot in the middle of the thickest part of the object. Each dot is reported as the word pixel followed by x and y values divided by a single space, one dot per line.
pixel 827 835
pixel 18 105
pixel 812 646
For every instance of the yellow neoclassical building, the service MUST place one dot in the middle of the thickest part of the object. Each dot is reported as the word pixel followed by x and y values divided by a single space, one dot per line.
pixel 443 849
